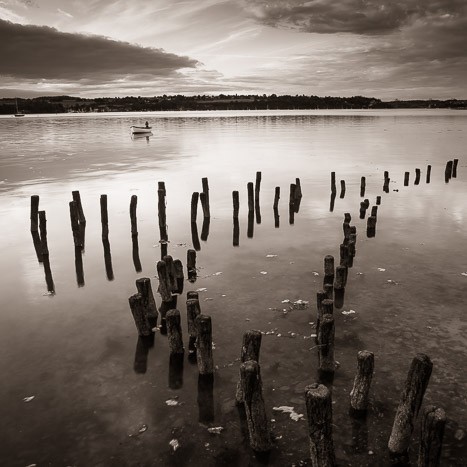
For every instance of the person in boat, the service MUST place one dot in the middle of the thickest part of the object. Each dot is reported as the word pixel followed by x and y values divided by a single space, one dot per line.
pixel 147 125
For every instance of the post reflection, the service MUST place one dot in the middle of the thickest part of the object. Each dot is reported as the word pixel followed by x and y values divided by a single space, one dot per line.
pixel 36 240
pixel 206 398
pixel 250 228
pixel 276 218
pixel 79 266
pixel 332 201
pixel 195 237
pixel 108 259
pixel 143 344
pixel 135 252
pixel 176 371
pixel 236 232
pixel 205 229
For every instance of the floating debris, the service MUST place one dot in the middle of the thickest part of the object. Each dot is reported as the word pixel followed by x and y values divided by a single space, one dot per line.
pixel 175 444
pixel 315 273
pixel 390 281
pixel 350 312
pixel 290 410
pixel 172 402
pixel 201 289
pixel 28 399
pixel 263 272
pixel 207 299
pixel 271 256
pixel 286 301
pixel 216 430
pixel 381 269
pixel 143 429
pixel 300 304
pixel 217 273
pixel 464 273
pixel 359 273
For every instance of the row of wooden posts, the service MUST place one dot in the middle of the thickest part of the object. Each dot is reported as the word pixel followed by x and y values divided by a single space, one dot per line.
pixel 318 396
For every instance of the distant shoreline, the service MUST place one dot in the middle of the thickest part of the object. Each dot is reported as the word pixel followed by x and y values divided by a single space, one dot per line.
pixel 70 104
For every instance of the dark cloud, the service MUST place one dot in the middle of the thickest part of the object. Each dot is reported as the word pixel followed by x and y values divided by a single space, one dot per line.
pixel 40 52
pixel 351 16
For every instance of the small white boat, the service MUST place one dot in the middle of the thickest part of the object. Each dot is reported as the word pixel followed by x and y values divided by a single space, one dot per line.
pixel 140 130
pixel 18 113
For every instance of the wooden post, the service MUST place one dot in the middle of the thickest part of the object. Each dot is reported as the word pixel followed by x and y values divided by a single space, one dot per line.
pixel 174 332
pixel 362 186
pixel 162 214
pixel 431 439
pixel 250 351
pixel 298 189
pixel 277 195
pixel 342 195
pixel 362 210
pixel 292 195
pixel 195 236
pixel 257 187
pixel 134 225
pixel 374 211
pixel 386 185
pixel 75 224
pixel 204 197
pixel 319 415
pixel 251 200
pixel 333 182
pixel 170 268
pixel 417 177
pixel 135 254
pixel 164 282
pixel 320 297
pixel 258 421
pixel 192 295
pixel 371 227
pixel 34 213
pixel 344 254
pixel 428 174
pixel 194 206
pixel 378 200
pixel 236 232
pixel 77 199
pixel 191 265
pixel 236 204
pixel 448 171
pixel 144 288
pixel 161 186
pixel 454 168
pixel 406 178
pixel 332 201
pixel 362 381
pixel 326 341
pixel 179 276
pixel 250 226
pixel 104 218
pixel 192 311
pixel 341 277
pixel 204 344
pixel 328 290
pixel 329 268
pixel 409 406
pixel 139 315
pixel 43 233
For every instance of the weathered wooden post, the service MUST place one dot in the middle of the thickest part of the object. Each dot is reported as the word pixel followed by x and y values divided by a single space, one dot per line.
pixel 362 186
pixel 45 252
pixel 328 269
pixel 344 254
pixel 250 226
pixel 341 277
pixel 448 171
pixel 34 217
pixel 417 177
pixel 135 254
pixel 170 269
pixel 79 266
pixel 277 195
pixel 143 285
pixel 257 191
pixel 431 438
pixel 362 210
pixel 374 211
pixel 371 226
pixel 194 206
pixel 332 201
pixel 174 332
pixel 133 219
pixel 454 168
pixel 236 232
pixel 251 346
pixel 362 382
pixel 161 186
pixel 320 297
pixel 410 403
pixel 195 236
pixel 378 200
pixel 77 199
pixel 204 344
pixel 292 196
pixel 386 185
pixel 205 229
pixel 326 342
pixel 298 190
pixel 406 178
pixel 251 199
pixel 428 174
pixel 139 315
pixel 342 195
pixel 236 204
pixel 108 259
pixel 319 415
pixel 104 218
pixel 162 214
pixel 257 419
pixel 75 224
pixel 192 311
pixel 179 276
pixel 205 197
pixel 165 288
pixel 333 182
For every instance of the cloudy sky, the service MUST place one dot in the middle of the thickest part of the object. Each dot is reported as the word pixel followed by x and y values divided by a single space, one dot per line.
pixel 388 49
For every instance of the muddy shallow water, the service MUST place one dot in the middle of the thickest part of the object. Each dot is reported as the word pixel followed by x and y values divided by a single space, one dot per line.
pixel 100 392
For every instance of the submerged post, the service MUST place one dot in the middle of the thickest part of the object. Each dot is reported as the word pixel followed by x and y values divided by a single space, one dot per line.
pixel 204 197
pixel 194 206
pixel 104 218
pixel 34 217
pixel 133 219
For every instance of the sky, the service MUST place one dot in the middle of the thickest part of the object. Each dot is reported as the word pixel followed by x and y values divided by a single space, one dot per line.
pixel 397 49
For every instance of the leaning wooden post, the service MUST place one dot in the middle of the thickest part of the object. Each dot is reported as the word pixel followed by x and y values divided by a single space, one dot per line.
pixel 454 168
pixel 43 234
pixel 371 227
pixel 257 419
pixel 448 171
pixel 406 178
pixel 298 189
pixel 193 310
pixel 333 182
pixel 409 406
pixel 77 198
pixel 319 414
pixel 428 174
pixel 174 332
pixel 257 187
pixel 362 381
pixel 277 195
pixel 191 265
pixel 194 206
pixel 431 439
pixel 326 342
pixel 205 196
pixel 104 218
pixel 34 213
pixel 139 315
pixel 417 177
pixel 251 199
pixel 250 351
pixel 342 195
pixel 134 225
pixel 362 186
pixel 204 345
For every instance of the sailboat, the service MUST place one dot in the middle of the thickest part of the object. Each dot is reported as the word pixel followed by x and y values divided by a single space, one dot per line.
pixel 18 114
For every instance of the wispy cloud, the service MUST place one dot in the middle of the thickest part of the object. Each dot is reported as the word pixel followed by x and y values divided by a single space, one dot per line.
pixel 68 15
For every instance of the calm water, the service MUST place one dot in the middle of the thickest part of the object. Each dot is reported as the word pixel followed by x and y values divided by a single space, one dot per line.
pixel 95 386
